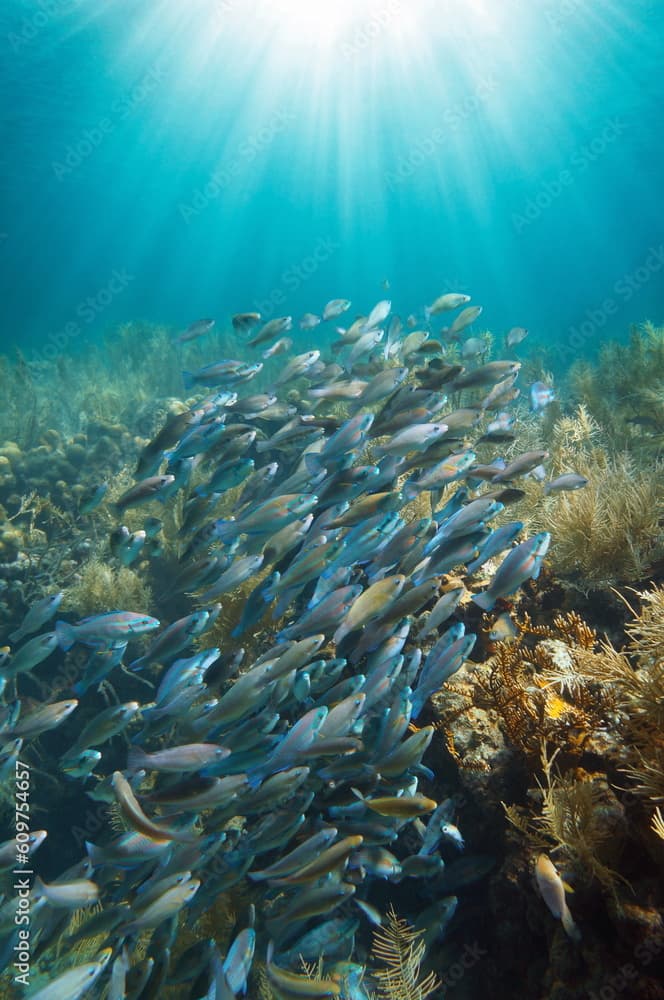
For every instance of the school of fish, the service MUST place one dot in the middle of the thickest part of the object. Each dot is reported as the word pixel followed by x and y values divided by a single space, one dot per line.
pixel 298 768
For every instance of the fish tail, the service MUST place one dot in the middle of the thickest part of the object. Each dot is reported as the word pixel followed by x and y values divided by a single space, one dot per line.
pixel 94 853
pixel 484 600
pixel 135 759
pixel 569 926
pixel 15 636
pixel 65 634
pixel 409 491
pixel 271 592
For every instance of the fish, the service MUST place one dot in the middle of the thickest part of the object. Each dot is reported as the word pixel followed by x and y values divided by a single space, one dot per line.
pixel 297 366
pixel 43 719
pixel 443 609
pixel 378 314
pixel 196 329
pixel 9 850
pixel 567 482
pixel 540 396
pixel 37 615
pixel 104 629
pixel 520 466
pixel 273 328
pixel 473 347
pixel 108 723
pixel 309 321
pixel 75 982
pixel 302 855
pixel 174 638
pixel 189 757
pixel 328 860
pixel 487 374
pixel 279 347
pixel 464 319
pixel 503 629
pixel 290 984
pixel 30 655
pixel 446 303
pixel 402 806
pixel 515 336
pixel 137 819
pixel 92 498
pixel 148 489
pixel 552 890
pixel 335 307
pixel 165 906
pixel 370 604
pixel 66 895
pixel 244 322
pixel 522 563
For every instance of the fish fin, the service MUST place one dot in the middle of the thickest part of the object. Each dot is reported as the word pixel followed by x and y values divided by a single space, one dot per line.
pixel 484 600
pixel 65 635
pixel 37 888
pixel 567 887
pixel 358 794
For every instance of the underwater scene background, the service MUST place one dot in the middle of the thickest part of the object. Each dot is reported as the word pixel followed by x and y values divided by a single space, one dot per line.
pixel 331 499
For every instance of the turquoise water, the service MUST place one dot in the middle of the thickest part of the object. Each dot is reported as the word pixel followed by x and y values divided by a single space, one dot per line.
pixel 164 160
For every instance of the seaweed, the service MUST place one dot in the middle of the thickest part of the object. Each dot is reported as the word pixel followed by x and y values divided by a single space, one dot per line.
pixel 100 587
pixel 573 817
pixel 624 390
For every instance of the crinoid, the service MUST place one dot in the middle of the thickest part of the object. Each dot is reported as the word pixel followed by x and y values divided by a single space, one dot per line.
pixel 399 949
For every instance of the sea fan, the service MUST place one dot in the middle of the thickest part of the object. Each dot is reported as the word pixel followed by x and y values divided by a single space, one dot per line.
pixel 400 950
